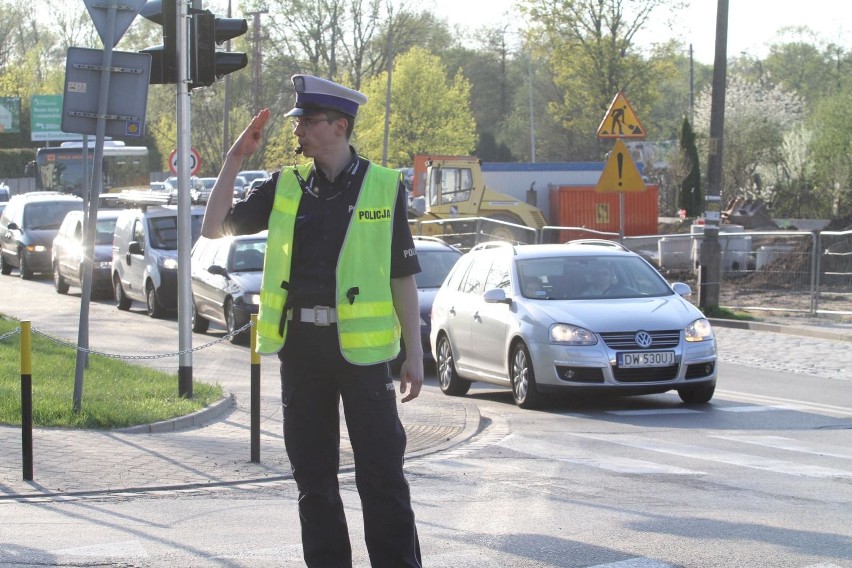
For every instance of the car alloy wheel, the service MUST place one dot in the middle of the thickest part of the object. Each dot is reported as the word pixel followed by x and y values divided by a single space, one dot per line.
pixel 122 302
pixel 58 281
pixel 451 383
pixel 523 378
pixel 199 324
pixel 26 273
pixel 155 308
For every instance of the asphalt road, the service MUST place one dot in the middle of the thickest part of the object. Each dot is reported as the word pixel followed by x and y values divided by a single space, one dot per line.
pixel 760 477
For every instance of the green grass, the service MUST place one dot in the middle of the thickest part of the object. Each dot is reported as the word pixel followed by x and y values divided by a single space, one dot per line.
pixel 115 394
pixel 725 313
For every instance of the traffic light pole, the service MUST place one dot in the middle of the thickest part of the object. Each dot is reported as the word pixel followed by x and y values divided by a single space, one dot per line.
pixel 184 203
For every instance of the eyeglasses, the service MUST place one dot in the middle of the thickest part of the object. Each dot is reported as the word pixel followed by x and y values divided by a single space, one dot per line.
pixel 307 122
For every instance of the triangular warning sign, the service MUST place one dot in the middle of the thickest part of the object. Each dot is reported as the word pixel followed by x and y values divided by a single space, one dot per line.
pixel 620 172
pixel 621 121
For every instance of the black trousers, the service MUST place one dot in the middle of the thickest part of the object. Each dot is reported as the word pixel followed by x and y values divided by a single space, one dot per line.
pixel 314 378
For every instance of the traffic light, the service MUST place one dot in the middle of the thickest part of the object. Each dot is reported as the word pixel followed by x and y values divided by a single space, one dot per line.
pixel 207 64
pixel 164 62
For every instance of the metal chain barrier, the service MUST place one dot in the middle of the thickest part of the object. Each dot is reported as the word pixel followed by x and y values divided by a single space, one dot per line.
pixel 131 357
pixel 15 331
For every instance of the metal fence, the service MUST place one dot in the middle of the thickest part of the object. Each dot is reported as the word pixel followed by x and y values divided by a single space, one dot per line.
pixel 773 271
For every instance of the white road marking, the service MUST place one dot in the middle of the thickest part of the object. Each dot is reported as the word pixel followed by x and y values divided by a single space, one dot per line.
pixel 120 549
pixel 548 450
pixel 634 563
pixel 720 456
pixel 653 411
pixel 788 444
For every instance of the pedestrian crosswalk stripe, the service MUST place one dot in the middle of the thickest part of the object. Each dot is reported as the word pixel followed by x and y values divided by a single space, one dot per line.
pixel 579 456
pixel 788 444
pixel 719 456
pixel 634 563
pixel 653 411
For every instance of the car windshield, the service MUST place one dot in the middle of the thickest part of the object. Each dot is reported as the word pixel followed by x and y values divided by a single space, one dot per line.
pixel 105 229
pixel 48 215
pixel 590 278
pixel 247 256
pixel 434 267
pixel 163 231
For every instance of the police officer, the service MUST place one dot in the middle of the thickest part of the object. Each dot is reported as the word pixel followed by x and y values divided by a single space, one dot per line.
pixel 337 289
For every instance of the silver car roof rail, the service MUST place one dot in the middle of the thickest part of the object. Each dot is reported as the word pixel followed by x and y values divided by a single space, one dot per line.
pixel 598 242
pixel 491 245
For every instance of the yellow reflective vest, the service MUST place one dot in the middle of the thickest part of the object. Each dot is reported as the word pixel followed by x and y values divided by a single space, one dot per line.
pixel 368 328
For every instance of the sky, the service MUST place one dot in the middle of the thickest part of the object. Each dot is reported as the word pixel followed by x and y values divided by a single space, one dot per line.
pixel 752 24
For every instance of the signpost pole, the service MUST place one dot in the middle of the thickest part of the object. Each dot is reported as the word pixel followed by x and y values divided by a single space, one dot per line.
pixel 91 206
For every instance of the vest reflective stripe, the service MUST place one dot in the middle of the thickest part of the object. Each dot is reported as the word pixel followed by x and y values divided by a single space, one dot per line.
pixel 368 327
pixel 276 263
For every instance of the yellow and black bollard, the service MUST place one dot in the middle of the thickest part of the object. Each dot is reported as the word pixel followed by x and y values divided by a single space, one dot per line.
pixel 27 400
pixel 255 394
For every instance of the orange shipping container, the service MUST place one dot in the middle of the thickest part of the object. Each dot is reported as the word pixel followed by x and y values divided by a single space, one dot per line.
pixel 582 206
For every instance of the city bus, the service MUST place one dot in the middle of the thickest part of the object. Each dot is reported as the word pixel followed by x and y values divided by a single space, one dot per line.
pixel 61 168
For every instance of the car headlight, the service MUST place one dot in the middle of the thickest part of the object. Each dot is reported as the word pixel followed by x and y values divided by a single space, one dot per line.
pixel 699 330
pixel 253 299
pixel 36 248
pixel 565 334
pixel 169 263
pixel 103 264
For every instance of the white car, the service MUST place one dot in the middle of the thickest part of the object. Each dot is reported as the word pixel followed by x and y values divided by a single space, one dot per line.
pixel 589 317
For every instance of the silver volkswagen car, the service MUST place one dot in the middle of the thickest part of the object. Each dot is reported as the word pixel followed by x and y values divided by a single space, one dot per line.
pixel 586 316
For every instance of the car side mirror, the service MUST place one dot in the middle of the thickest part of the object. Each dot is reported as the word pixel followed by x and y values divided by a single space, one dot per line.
pixel 13 226
pixel 217 270
pixel 496 296
pixel 133 247
pixel 682 289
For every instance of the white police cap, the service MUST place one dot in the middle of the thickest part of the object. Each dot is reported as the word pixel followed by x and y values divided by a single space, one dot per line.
pixel 317 94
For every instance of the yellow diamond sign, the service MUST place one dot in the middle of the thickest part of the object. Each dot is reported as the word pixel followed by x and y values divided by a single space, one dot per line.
pixel 620 172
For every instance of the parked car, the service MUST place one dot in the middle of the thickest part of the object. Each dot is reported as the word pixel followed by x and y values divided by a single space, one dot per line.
pixel 436 258
pixel 255 183
pixel 240 187
pixel 5 193
pixel 206 187
pixel 28 226
pixel 196 187
pixel 251 175
pixel 144 257
pixel 535 319
pixel 226 275
pixel 68 247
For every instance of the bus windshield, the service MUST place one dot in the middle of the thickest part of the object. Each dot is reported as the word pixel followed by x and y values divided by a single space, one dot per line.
pixel 61 169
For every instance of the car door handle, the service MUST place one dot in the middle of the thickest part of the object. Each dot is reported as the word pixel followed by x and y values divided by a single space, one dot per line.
pixel 452 311
pixel 477 317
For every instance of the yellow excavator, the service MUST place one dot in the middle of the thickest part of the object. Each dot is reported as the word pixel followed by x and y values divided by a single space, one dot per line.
pixel 456 205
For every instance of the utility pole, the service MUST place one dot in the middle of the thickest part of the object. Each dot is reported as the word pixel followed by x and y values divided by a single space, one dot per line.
pixel 710 272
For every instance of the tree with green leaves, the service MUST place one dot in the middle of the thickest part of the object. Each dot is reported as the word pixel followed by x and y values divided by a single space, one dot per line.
pixel 691 196
pixel 831 150
pixel 430 112
pixel 757 115
pixel 591 49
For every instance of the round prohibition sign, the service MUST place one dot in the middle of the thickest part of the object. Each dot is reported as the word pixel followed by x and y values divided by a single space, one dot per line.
pixel 194 161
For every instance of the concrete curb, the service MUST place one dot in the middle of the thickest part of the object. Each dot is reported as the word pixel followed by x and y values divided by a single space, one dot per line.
pixel 198 418
pixel 834 334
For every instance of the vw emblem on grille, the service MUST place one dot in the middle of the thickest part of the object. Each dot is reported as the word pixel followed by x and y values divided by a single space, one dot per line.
pixel 643 339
